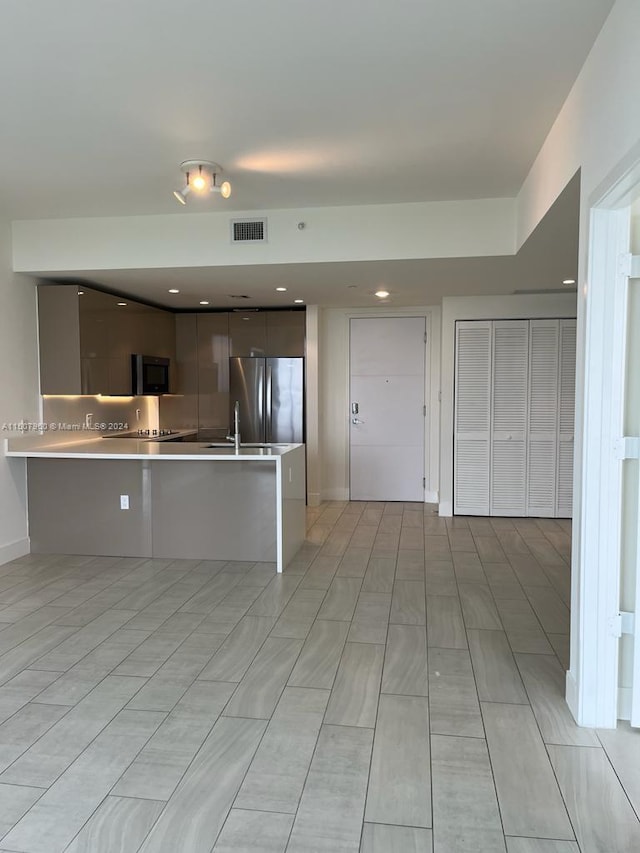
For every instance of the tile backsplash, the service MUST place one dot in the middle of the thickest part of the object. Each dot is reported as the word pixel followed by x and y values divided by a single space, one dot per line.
pixel 98 415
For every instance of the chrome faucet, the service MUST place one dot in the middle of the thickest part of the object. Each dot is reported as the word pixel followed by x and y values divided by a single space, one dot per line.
pixel 236 427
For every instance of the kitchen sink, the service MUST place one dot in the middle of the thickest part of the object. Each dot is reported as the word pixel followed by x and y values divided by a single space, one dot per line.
pixel 229 445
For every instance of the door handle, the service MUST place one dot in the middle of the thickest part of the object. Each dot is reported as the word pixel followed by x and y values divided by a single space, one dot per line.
pixel 268 406
pixel 356 421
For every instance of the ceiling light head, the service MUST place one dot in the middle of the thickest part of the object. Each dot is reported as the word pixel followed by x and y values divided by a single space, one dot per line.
pixel 569 281
pixel 181 195
pixel 173 290
pixel 199 182
pixel 298 301
pixel 281 289
pixel 121 304
pixel 204 302
pixel 382 294
pixel 200 178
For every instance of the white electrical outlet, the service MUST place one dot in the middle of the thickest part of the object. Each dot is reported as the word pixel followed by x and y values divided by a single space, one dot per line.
pixel 124 501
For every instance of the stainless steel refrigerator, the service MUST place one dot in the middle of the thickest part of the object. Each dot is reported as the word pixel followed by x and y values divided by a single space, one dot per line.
pixel 271 396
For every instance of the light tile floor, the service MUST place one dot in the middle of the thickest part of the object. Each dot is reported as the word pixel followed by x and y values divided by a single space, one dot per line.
pixel 398 689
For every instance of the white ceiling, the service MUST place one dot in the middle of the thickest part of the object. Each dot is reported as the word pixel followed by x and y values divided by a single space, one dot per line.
pixel 303 103
pixel 549 256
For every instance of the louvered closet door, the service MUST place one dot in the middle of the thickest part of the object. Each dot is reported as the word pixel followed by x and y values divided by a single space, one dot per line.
pixel 472 418
pixel 543 417
pixel 566 414
pixel 509 417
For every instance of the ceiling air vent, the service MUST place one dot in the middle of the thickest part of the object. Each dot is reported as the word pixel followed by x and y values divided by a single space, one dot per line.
pixel 248 230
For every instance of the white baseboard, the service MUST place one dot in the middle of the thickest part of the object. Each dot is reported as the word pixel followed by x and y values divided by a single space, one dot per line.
pixel 445 508
pixel 582 718
pixel 624 703
pixel 343 495
pixel 13 550
pixel 335 495
pixel 571 695
pixel 313 499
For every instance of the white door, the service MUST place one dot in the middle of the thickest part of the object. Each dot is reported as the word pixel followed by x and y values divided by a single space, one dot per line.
pixel 543 417
pixel 509 417
pixel 566 407
pixel 514 401
pixel 386 408
pixel 472 449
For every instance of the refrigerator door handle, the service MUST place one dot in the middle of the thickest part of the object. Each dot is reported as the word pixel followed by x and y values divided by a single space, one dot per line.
pixel 268 404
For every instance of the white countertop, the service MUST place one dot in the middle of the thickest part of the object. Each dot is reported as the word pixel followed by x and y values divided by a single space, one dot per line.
pixel 39 447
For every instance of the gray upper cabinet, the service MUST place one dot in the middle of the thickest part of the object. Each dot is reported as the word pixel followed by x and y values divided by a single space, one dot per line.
pixel 110 333
pixel 285 333
pixel 86 341
pixel 248 333
pixel 213 372
pixel 180 408
pixel 204 386
pixel 59 337
pixel 267 333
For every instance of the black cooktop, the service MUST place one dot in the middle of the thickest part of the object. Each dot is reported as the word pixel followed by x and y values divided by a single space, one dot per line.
pixel 143 434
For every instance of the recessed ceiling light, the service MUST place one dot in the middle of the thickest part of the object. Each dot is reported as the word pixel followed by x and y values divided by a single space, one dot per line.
pixel 81 293
pixel 173 290
pixel 298 301
pixel 122 303
pixel 281 289
pixel 204 302
pixel 569 281
pixel 382 294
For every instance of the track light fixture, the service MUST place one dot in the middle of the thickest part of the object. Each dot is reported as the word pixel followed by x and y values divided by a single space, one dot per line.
pixel 201 178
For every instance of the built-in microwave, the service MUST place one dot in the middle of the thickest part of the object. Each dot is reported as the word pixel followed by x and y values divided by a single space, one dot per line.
pixel 149 374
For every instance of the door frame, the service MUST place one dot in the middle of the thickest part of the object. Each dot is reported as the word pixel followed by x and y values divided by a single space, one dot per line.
pixel 593 678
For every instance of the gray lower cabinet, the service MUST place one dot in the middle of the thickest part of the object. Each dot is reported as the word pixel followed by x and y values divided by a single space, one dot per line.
pixel 203 509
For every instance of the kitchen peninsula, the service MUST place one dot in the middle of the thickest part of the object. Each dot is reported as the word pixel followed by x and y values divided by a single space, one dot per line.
pixel 123 497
